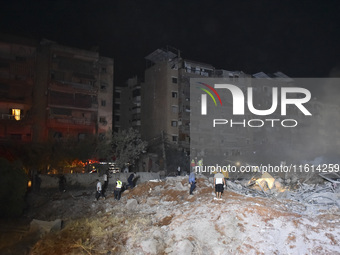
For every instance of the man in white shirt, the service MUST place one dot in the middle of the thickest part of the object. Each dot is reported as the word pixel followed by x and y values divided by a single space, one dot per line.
pixel 99 190
pixel 219 183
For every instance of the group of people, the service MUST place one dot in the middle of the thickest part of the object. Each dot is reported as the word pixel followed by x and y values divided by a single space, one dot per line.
pixel 219 182
pixel 101 189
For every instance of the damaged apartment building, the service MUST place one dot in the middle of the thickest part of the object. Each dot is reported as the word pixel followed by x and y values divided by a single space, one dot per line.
pixel 166 100
pixel 51 91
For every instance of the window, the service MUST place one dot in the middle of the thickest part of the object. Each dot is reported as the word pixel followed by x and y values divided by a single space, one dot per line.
pixel 174 138
pixel 103 86
pixel 117 106
pixel 174 94
pixel 16 114
pixel 174 109
pixel 117 94
pixel 103 69
pixel 103 103
pixel 174 123
pixel 102 120
pixel 174 79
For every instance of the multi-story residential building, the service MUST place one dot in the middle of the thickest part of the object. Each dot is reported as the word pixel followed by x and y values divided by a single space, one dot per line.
pixel 166 100
pixel 167 114
pixel 166 97
pixel 127 102
pixel 51 91
pixel 17 79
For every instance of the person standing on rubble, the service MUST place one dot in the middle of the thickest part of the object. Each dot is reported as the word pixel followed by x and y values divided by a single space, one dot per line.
pixel 193 165
pixel 192 182
pixel 99 192
pixel 106 183
pixel 118 189
pixel 131 180
pixel 219 183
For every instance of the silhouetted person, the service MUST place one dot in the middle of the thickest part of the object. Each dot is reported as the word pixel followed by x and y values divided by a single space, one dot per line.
pixel 37 182
pixel 106 183
pixel 131 180
pixel 62 183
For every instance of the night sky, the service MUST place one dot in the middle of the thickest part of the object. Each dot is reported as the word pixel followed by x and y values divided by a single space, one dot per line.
pixel 300 38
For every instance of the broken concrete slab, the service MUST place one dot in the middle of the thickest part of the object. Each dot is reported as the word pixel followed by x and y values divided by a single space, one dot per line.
pixel 44 227
pixel 265 181
pixel 131 204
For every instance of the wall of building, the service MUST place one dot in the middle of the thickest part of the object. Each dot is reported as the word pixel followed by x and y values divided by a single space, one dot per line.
pixel 58 90
pixel 17 65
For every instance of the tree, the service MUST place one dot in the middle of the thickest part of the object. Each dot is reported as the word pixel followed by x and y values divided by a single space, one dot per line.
pixel 127 146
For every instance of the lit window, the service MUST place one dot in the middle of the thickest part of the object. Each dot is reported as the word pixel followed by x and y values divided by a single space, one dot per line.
pixel 16 114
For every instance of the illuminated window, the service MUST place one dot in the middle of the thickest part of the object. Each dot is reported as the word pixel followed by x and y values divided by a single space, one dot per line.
pixel 16 114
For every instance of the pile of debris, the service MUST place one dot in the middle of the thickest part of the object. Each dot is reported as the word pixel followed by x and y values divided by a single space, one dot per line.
pixel 161 217
pixel 316 198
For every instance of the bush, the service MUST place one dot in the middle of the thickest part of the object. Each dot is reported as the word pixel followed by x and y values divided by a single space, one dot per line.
pixel 13 187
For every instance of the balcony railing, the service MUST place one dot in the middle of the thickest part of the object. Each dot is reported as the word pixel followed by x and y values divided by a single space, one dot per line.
pixel 11 117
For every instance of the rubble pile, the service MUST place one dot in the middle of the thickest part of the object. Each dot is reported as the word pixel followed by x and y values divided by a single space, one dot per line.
pixel 314 198
pixel 160 217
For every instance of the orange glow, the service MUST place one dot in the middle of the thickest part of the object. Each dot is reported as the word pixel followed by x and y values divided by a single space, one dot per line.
pixel 29 184
pixel 16 113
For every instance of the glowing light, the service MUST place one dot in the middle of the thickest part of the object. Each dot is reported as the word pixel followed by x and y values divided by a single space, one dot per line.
pixel 16 114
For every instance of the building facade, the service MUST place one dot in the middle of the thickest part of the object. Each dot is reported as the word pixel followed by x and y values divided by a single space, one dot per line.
pixel 127 105
pixel 51 91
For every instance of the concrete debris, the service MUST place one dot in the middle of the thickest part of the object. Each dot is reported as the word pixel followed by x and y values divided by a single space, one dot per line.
pixel 44 227
pixel 151 246
pixel 183 247
pixel 266 181
pixel 131 204
pixel 323 195
pixel 161 218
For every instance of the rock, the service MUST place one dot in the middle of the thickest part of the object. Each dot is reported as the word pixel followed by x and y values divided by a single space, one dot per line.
pixel 131 204
pixel 157 234
pixel 45 226
pixel 183 247
pixel 179 186
pixel 277 184
pixel 152 201
pixel 150 246
pixel 283 195
pixel 157 188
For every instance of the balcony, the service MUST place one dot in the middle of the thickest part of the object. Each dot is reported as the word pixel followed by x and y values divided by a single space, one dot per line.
pixel 12 117
pixel 71 121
